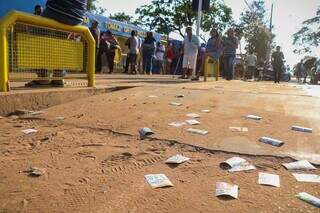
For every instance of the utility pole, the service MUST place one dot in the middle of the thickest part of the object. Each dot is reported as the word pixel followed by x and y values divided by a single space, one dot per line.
pixel 271 16
pixel 199 17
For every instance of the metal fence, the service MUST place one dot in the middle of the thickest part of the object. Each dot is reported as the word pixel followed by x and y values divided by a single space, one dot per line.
pixel 37 48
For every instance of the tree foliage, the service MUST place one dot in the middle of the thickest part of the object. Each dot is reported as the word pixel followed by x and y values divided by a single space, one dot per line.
pixel 309 35
pixel 253 27
pixel 122 17
pixel 92 7
pixel 165 16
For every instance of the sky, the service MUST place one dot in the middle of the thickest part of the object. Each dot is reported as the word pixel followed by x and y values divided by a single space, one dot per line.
pixel 287 18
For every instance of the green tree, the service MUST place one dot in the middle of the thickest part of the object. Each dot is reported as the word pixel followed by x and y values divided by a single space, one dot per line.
pixel 253 27
pixel 309 35
pixel 165 16
pixel 122 17
pixel 92 7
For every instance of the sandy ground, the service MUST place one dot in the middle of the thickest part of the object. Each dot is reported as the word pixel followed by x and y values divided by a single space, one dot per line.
pixel 94 161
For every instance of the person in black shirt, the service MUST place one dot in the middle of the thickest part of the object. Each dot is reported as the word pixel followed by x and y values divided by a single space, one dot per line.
pixel 277 63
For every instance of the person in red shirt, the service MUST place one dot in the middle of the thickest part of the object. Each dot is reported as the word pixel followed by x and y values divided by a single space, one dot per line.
pixel 169 54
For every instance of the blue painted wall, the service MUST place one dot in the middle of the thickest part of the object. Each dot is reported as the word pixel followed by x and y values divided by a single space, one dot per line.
pixel 21 5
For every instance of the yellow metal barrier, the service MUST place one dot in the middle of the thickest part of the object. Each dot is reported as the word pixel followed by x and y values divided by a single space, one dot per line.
pixel 34 43
pixel 216 67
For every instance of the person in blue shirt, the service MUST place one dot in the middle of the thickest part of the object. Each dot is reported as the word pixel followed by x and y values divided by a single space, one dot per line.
pixel 148 52
pixel 230 44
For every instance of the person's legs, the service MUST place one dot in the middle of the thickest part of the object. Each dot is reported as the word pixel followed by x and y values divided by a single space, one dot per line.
pixel 193 65
pixel 228 67
pixel 98 60
pixel 185 65
pixel 144 63
pixel 110 58
pixel 279 75
pixel 126 68
pixel 148 63
pixel 225 64
pixel 231 59
pixel 133 62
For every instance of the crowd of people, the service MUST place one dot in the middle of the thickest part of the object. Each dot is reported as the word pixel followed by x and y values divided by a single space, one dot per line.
pixel 186 59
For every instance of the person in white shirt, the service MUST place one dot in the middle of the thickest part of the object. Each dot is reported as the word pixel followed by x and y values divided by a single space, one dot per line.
pixel 160 50
pixel 191 45
pixel 251 64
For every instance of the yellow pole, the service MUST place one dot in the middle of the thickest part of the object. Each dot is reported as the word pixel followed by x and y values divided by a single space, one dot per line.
pixel 91 59
pixel 4 65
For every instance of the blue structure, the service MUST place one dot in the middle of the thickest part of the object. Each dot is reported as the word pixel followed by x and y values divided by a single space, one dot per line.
pixel 116 27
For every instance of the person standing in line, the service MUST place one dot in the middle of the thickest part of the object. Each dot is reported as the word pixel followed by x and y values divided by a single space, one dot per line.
pixel 301 70
pixel 133 44
pixel 95 32
pixel 191 46
pixel 169 54
pixel 230 45
pixel 277 63
pixel 111 51
pixel 160 50
pixel 148 52
pixel 251 66
pixel 37 10
pixel 213 49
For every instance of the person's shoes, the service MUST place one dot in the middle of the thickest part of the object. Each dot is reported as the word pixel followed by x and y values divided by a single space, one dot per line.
pixel 195 79
pixel 182 77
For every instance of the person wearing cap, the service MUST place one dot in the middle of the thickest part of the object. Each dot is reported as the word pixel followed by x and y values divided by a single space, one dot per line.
pixel 230 45
pixel 191 45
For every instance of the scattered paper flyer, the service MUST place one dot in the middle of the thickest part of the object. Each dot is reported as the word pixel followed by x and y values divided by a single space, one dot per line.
pixel 269 179
pixel 193 115
pixel 175 104
pixel 158 180
pixel 236 164
pixel 153 96
pixel 206 110
pixel 177 124
pixel 35 171
pixel 177 159
pixel 301 129
pixel 29 131
pixel 271 141
pixel 35 113
pixel 226 189
pixel 192 122
pixel 238 129
pixel 144 132
pixel 309 199
pixel 197 131
pixel 299 165
pixel 59 118
pixel 253 117
pixel 311 178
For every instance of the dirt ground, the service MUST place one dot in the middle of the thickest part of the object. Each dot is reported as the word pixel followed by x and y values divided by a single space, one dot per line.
pixel 94 161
